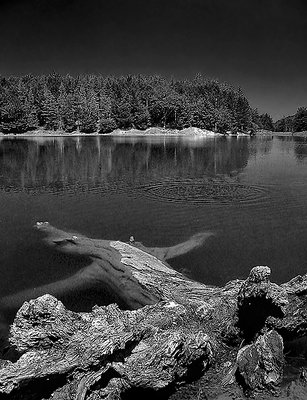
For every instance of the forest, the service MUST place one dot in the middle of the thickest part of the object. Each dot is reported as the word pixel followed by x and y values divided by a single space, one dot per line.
pixel 101 104
pixel 293 123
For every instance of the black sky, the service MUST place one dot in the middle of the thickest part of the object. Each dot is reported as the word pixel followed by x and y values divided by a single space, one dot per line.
pixel 260 45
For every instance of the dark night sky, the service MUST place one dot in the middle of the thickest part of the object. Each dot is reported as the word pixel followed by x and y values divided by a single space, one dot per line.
pixel 259 45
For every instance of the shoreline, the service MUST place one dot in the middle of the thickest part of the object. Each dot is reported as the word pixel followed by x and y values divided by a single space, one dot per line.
pixel 153 131
pixel 150 132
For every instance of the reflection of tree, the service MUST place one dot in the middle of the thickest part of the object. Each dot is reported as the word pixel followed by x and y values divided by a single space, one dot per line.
pixel 265 146
pixel 300 147
pixel 261 145
pixel 85 163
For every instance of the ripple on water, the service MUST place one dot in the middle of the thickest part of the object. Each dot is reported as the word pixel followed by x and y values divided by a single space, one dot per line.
pixel 204 192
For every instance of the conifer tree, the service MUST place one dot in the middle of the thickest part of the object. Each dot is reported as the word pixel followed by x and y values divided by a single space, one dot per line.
pixel 106 121
pixel 300 120
pixel 242 112
pixel 266 122
pixel 30 111
pixel 62 106
pixel 50 112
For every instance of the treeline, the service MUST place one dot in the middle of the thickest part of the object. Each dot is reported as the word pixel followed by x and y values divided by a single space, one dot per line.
pixel 293 123
pixel 262 121
pixel 101 104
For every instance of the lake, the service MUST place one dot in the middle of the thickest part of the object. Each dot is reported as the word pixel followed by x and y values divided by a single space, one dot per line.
pixel 250 193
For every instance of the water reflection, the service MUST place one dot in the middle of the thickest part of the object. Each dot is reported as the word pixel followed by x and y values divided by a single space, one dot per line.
pixel 300 148
pixel 261 146
pixel 58 164
pixel 300 145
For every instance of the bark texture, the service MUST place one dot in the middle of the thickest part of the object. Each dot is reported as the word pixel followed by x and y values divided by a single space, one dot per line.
pixel 173 330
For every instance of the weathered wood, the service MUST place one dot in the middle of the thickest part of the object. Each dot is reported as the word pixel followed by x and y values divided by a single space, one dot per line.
pixel 173 328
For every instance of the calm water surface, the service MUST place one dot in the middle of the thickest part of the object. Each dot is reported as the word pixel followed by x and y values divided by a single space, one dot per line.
pixel 250 193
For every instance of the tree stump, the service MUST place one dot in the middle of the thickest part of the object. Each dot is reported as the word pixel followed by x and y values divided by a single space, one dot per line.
pixel 173 330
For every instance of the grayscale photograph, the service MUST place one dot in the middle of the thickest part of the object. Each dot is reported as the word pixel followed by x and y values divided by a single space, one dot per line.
pixel 153 199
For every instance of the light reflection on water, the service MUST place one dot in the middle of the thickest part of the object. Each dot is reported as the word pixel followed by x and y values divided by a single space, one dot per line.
pixel 250 192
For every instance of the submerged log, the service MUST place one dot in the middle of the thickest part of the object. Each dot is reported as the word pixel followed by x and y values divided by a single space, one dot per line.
pixel 173 330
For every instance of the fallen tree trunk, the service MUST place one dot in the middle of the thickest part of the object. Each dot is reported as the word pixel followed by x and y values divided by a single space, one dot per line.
pixel 174 329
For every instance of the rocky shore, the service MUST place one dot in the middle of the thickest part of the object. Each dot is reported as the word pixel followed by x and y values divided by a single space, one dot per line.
pixel 171 331
pixel 154 131
pixel 192 131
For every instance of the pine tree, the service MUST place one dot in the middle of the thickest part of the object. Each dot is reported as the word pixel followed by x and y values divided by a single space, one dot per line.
pixel 106 120
pixel 50 112
pixel 93 110
pixel 243 115
pixel 300 120
pixel 86 110
pixel 62 106
pixel 141 116
pixel 266 122
pixel 30 111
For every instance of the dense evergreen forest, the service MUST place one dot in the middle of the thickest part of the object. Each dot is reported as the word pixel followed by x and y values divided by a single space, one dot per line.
pixel 101 104
pixel 293 123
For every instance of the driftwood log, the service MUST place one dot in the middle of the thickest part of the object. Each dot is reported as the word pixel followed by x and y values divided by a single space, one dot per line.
pixel 172 331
